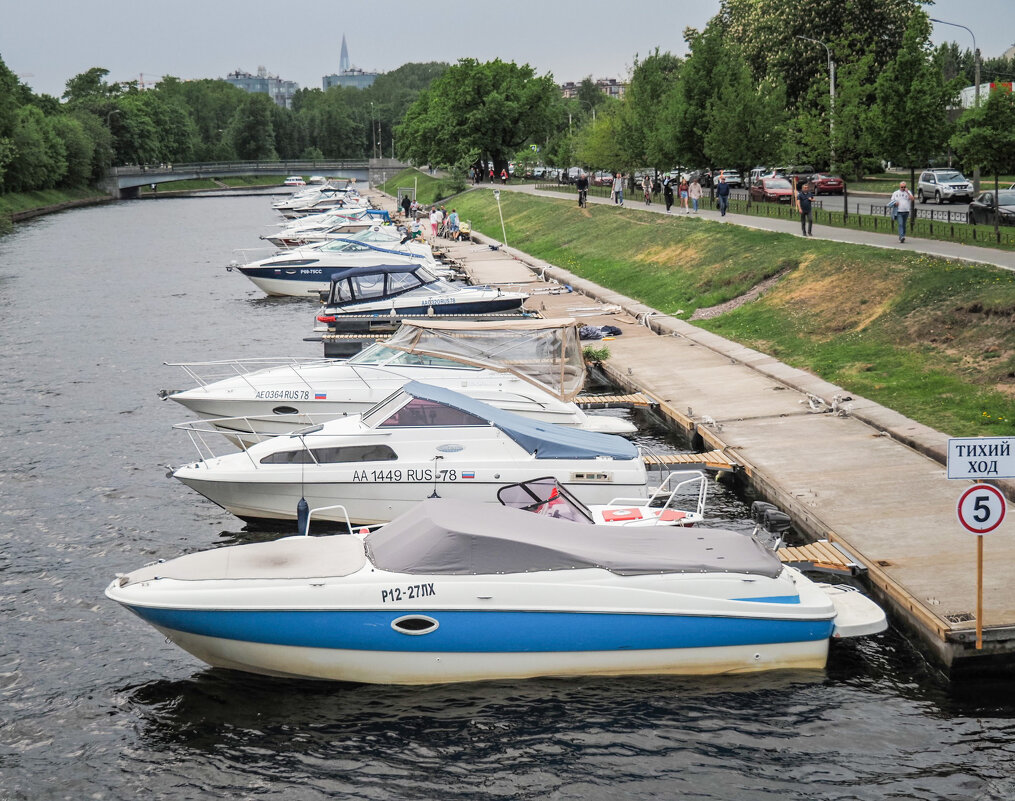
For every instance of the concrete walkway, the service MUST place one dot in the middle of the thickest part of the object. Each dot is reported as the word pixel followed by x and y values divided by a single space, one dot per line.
pixel 948 250
pixel 845 468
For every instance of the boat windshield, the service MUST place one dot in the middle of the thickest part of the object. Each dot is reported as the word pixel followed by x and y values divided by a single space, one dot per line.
pixel 380 354
pixel 547 353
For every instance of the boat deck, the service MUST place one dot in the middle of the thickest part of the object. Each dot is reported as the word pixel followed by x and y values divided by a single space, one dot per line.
pixel 848 471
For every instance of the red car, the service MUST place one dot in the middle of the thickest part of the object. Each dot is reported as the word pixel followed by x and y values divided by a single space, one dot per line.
pixel 824 184
pixel 775 190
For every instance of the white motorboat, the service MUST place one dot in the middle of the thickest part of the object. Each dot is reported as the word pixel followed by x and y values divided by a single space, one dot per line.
pixel 318 228
pixel 454 591
pixel 419 442
pixel 308 271
pixel 531 367
pixel 315 199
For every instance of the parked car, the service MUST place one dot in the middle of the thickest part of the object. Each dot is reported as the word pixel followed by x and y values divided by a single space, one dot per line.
pixel 773 190
pixel 802 173
pixel 294 180
pixel 981 210
pixel 943 185
pixel 603 178
pixel 756 175
pixel 824 184
pixel 732 177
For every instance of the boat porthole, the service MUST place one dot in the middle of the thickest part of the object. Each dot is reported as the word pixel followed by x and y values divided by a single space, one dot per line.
pixel 414 624
pixel 285 410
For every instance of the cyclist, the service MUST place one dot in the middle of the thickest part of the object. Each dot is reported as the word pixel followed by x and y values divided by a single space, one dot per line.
pixel 583 189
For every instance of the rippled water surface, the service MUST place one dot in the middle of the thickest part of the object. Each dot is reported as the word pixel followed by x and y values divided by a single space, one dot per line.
pixel 95 704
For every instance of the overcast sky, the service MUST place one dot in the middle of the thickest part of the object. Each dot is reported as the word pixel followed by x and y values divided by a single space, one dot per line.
pixel 46 42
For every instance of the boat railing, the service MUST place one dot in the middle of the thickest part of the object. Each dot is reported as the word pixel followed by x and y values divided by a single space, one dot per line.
pixel 671 491
pixel 240 432
pixel 205 373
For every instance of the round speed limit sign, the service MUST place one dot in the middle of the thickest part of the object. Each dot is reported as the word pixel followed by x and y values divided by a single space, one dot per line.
pixel 981 508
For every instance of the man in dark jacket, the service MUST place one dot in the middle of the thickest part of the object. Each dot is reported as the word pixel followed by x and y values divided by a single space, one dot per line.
pixel 722 191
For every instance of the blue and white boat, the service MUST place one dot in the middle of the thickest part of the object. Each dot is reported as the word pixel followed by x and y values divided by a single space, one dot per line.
pixel 307 271
pixel 454 591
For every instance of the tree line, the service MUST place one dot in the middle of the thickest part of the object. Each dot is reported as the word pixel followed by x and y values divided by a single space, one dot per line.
pixel 71 142
pixel 754 89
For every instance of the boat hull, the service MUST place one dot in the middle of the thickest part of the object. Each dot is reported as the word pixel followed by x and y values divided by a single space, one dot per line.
pixel 541 644
pixel 373 496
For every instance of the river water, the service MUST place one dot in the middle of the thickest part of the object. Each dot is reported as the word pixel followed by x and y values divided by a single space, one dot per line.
pixel 94 704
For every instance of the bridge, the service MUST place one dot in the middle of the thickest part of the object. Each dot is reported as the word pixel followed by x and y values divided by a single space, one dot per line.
pixel 125 182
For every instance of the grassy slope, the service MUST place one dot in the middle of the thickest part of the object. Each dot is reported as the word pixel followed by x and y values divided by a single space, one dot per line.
pixel 428 188
pixel 930 338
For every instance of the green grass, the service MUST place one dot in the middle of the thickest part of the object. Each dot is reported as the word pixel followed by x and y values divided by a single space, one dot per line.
pixel 25 201
pixel 931 338
pixel 429 188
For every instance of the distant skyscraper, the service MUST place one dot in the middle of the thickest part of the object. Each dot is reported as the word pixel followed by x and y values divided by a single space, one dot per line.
pixel 343 59
pixel 348 75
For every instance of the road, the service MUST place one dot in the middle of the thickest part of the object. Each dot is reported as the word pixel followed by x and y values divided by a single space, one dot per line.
pixel 861 204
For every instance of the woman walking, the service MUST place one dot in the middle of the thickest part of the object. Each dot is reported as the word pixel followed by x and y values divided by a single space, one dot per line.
pixel 683 194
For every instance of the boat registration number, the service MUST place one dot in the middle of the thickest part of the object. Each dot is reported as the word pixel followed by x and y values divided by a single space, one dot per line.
pixel 437 301
pixel 283 394
pixel 408 593
pixel 420 474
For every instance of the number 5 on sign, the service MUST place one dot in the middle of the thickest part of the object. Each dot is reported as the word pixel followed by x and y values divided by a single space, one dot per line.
pixel 981 510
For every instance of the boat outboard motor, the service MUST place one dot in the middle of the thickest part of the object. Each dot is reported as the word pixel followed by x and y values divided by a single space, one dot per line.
pixel 776 521
pixel 758 509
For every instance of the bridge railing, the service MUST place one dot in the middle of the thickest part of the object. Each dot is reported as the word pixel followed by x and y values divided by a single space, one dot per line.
pixel 246 167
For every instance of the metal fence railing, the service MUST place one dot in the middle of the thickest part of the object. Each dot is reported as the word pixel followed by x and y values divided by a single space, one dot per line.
pixel 943 224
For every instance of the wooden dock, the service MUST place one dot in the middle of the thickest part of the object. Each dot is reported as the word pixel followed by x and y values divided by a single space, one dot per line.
pixel 862 478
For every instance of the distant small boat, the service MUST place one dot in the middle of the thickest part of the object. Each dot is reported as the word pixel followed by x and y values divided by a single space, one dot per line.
pixel 454 591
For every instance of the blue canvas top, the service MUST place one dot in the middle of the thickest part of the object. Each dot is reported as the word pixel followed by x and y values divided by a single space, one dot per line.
pixel 380 269
pixel 543 440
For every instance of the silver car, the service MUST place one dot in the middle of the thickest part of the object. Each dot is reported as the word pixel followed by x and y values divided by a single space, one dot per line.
pixel 944 185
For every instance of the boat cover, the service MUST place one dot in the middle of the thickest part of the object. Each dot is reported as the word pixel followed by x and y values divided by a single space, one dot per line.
pixel 542 440
pixel 545 352
pixel 287 558
pixel 449 537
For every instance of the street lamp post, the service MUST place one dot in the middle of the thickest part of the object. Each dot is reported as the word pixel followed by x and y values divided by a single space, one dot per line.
pixel 976 79
pixel 831 93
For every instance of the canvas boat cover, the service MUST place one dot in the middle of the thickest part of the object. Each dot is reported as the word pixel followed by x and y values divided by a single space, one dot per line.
pixel 449 537
pixel 543 440
pixel 545 352
pixel 287 558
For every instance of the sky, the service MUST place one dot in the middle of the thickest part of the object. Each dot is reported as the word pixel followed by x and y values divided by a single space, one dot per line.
pixel 47 42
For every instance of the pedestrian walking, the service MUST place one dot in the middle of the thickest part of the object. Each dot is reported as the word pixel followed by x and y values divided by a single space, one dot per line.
pixel 901 205
pixel 618 190
pixel 683 190
pixel 646 187
pixel 668 193
pixel 803 205
pixel 722 193
pixel 694 191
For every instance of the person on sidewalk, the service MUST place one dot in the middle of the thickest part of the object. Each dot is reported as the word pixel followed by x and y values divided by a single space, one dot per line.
pixel 406 206
pixel 668 193
pixel 582 185
pixel 618 190
pixel 646 187
pixel 902 204
pixel 722 193
pixel 803 205
pixel 683 190
pixel 694 190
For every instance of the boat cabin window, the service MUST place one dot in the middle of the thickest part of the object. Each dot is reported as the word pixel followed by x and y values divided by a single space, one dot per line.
pixel 402 282
pixel 382 354
pixel 420 412
pixel 368 286
pixel 341 292
pixel 345 453
pixel 344 246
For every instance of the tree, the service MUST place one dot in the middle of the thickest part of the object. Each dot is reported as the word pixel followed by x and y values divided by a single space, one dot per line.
pixel 745 123
pixel 986 137
pixel 492 108
pixel 646 132
pixel 911 112
pixel 250 130
pixel 686 105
